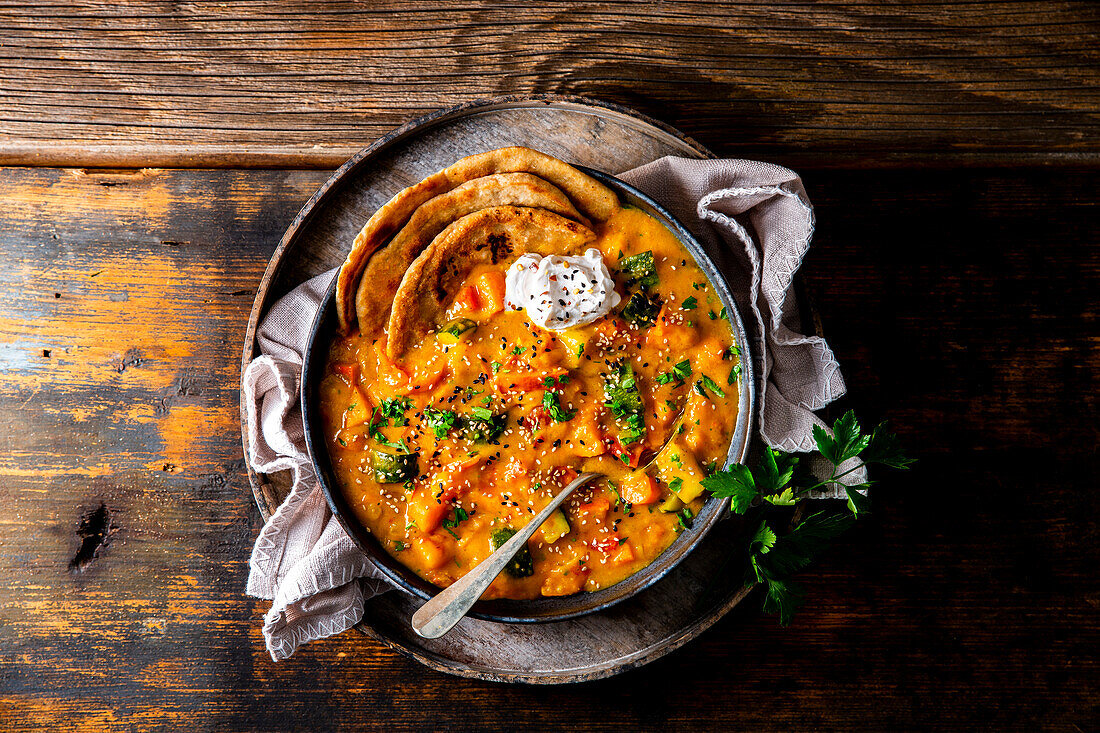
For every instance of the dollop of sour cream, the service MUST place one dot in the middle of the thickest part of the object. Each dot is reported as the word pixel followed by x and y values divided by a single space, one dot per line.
pixel 560 292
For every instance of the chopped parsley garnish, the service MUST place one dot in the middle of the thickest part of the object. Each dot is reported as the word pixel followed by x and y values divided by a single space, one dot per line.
pixel 685 518
pixel 440 421
pixel 723 315
pixel 625 401
pixel 398 546
pixel 460 516
pixel 375 432
pixel 690 304
pixel 676 484
pixel 557 412
pixel 712 386
pixel 712 315
pixel 735 372
pixel 495 366
pixel 395 410
pixel 517 350
pixel 678 374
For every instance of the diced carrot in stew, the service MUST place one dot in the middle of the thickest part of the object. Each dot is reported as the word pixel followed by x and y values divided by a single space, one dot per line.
pixel 629 457
pixel 624 555
pixel 349 371
pixel 595 508
pixel 638 487
pixel 606 545
pixel 490 291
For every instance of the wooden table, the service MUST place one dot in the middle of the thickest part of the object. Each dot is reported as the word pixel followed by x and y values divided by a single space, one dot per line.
pixel 155 152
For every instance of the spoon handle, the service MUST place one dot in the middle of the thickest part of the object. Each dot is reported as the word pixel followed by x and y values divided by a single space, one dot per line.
pixel 439 615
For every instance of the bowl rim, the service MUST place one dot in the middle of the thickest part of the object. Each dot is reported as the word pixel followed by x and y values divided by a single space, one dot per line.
pixel 539 610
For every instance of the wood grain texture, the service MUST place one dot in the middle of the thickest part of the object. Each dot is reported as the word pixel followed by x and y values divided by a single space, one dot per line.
pixel 136 83
pixel 962 306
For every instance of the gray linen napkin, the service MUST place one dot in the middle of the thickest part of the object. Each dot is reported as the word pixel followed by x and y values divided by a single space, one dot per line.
pixel 755 217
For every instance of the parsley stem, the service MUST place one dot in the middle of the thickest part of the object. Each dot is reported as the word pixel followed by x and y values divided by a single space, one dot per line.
pixel 832 479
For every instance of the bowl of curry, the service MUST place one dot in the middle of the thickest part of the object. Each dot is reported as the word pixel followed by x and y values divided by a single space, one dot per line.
pixel 453 388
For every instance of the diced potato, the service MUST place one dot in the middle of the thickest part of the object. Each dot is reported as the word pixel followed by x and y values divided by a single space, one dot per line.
pixel 564 582
pixel 358 411
pixel 431 553
pixel 573 342
pixel 587 437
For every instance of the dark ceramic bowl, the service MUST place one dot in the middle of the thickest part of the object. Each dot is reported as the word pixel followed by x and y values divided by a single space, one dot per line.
pixel 542 609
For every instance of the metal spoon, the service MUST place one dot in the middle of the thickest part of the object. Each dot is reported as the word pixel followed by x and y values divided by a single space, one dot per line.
pixel 439 615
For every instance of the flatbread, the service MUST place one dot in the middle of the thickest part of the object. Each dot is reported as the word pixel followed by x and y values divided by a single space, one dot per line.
pixel 384 270
pixel 589 196
pixel 491 236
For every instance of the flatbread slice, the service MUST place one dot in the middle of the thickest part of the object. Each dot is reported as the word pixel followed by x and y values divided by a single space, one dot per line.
pixel 591 197
pixel 384 270
pixel 491 236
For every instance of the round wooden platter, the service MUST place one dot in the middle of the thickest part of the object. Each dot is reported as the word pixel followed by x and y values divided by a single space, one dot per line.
pixel 603 136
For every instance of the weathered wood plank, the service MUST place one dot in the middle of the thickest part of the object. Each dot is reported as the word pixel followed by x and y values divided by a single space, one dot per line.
pixel 962 307
pixel 824 84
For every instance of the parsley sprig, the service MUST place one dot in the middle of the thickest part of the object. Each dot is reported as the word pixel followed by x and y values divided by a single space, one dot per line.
pixel 777 481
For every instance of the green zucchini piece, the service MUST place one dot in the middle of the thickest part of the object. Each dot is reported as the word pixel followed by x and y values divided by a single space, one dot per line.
pixel 393 468
pixel 641 310
pixel 521 566
pixel 639 269
pixel 555 527
pixel 452 331
pixel 482 430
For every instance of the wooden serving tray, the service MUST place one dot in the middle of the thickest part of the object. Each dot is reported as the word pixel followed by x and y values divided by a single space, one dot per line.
pixel 675 610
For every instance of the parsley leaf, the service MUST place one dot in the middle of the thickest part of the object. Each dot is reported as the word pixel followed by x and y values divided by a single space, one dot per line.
pixel 460 516
pixel 884 449
pixel 395 410
pixel 846 442
pixel 776 470
pixel 679 373
pixel 763 540
pixel 550 402
pixel 440 421
pixel 737 483
pixel 375 432
pixel 859 504
pixel 783 597
pixel 710 384
pixel 800 546
pixel 689 304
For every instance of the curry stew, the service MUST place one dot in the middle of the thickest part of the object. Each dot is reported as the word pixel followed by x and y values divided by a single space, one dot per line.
pixel 445 452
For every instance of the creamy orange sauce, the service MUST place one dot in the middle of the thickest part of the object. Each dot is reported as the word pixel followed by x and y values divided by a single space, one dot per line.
pixel 439 521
